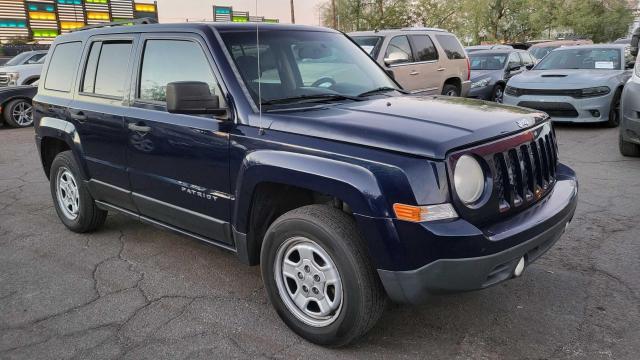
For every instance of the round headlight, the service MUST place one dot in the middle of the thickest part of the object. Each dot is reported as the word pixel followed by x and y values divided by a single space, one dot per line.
pixel 468 179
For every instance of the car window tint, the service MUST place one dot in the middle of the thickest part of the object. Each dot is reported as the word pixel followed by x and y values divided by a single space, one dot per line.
pixel 514 60
pixel 451 46
pixel 89 80
pixel 34 59
pixel 399 49
pixel 370 44
pixel 111 73
pixel 63 65
pixel 423 48
pixel 167 61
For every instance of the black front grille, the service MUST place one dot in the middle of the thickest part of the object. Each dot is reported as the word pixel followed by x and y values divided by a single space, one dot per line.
pixel 554 109
pixel 513 91
pixel 523 171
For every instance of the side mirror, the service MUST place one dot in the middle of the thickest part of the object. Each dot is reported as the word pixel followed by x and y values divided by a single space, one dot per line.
pixel 396 58
pixel 514 67
pixel 530 66
pixel 635 39
pixel 631 65
pixel 192 97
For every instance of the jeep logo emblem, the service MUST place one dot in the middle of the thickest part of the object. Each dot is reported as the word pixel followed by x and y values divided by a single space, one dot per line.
pixel 523 123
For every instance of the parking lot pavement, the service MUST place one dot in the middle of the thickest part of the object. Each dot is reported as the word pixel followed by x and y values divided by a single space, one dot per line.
pixel 133 291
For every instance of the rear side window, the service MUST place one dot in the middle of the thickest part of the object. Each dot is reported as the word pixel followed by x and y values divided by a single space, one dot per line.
pixel 166 61
pixel 423 48
pixel 399 50
pixel 451 46
pixel 106 70
pixel 63 65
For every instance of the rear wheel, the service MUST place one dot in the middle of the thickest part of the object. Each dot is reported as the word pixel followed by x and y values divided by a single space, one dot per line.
pixel 18 113
pixel 75 206
pixel 614 110
pixel 318 276
pixel 450 90
pixel 628 148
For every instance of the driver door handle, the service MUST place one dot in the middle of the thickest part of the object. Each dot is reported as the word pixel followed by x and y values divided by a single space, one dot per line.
pixel 138 128
pixel 442 69
pixel 79 116
pixel 414 73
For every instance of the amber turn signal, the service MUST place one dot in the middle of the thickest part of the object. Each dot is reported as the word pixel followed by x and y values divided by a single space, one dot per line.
pixel 415 213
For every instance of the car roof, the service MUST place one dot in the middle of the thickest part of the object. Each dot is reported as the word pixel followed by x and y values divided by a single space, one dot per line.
pixel 561 43
pixel 403 31
pixel 496 51
pixel 187 27
pixel 595 46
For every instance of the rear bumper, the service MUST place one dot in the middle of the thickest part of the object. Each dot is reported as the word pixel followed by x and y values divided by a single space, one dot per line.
pixel 466 86
pixel 530 234
pixel 483 93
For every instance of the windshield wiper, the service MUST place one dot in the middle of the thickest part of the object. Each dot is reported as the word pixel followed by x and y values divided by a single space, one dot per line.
pixel 380 90
pixel 310 98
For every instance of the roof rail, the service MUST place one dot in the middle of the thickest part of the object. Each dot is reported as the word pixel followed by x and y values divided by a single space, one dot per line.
pixel 140 21
pixel 423 29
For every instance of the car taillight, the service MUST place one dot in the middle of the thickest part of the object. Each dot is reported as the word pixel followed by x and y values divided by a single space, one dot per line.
pixel 468 70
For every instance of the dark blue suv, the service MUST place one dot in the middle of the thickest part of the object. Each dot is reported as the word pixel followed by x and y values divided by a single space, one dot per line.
pixel 290 147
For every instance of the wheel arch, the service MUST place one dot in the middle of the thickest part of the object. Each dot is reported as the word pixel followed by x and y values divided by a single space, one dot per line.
pixel 55 136
pixel 274 182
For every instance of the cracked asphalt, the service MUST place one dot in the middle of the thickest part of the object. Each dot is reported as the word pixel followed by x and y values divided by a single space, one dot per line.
pixel 136 292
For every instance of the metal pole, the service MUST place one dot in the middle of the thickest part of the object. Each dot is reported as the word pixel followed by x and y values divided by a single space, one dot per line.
pixel 293 14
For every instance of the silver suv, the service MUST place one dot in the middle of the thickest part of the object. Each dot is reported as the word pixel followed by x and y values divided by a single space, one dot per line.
pixel 630 107
pixel 425 60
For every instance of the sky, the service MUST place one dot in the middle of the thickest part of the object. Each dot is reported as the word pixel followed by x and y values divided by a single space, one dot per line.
pixel 306 11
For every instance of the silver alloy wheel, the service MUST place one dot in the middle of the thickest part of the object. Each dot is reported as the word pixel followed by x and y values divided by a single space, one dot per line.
pixel 22 114
pixel 308 281
pixel 67 193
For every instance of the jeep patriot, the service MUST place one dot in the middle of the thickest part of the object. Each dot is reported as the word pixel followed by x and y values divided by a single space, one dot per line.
pixel 290 147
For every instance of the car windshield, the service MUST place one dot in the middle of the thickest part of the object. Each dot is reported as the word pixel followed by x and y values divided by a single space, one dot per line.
pixel 18 59
pixel 369 44
pixel 541 52
pixel 487 61
pixel 581 58
pixel 304 66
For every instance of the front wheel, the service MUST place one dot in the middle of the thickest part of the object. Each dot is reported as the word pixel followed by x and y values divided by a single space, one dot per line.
pixel 628 148
pixel 450 90
pixel 498 94
pixel 75 206
pixel 614 110
pixel 318 276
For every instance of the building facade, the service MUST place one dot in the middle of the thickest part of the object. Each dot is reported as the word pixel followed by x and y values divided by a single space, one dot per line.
pixel 42 20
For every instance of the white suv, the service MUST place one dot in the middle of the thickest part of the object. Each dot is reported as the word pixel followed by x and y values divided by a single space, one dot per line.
pixel 23 69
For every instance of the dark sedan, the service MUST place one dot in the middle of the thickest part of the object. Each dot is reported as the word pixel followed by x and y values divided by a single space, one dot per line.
pixel 15 105
pixel 491 69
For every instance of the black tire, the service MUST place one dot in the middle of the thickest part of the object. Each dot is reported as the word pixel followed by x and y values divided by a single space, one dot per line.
pixel 450 90
pixel 363 297
pixel 628 148
pixel 15 120
pixel 89 217
pixel 498 93
pixel 614 110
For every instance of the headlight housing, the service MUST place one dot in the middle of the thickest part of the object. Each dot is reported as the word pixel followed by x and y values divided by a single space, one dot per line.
pixel 468 179
pixel 594 91
pixel 512 91
pixel 13 77
pixel 480 84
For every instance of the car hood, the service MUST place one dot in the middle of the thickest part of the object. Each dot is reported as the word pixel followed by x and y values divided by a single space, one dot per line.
pixel 19 68
pixel 561 79
pixel 428 126
pixel 482 74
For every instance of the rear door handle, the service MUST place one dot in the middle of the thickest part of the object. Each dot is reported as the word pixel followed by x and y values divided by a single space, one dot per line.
pixel 79 116
pixel 442 69
pixel 138 128
pixel 414 73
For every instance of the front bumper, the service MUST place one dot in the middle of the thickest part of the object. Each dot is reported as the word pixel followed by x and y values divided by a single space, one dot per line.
pixel 483 93
pixel 499 247
pixel 630 124
pixel 566 108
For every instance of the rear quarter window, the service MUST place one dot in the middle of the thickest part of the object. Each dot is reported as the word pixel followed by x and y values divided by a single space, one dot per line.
pixel 451 47
pixel 63 65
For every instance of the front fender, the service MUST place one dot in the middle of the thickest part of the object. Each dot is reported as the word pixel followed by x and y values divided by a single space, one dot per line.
pixel 353 184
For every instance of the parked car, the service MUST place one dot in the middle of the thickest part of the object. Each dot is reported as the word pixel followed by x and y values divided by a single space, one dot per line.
pixel 15 105
pixel 25 73
pixel 541 49
pixel 623 41
pixel 574 84
pixel 344 190
pixel 630 107
pixel 26 57
pixel 430 61
pixel 491 69
pixel 470 49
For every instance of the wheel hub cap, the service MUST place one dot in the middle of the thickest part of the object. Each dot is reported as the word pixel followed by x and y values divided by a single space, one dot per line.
pixel 308 281
pixel 23 114
pixel 67 193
